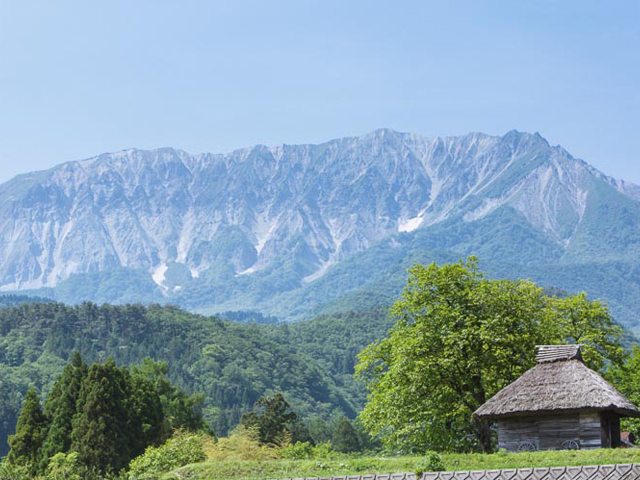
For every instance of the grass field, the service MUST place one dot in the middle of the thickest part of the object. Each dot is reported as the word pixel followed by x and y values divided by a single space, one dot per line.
pixel 347 465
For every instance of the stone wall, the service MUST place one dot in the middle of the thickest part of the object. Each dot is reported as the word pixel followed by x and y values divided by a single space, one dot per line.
pixel 599 472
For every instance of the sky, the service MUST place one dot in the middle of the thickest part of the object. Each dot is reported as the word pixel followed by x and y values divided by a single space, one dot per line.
pixel 81 78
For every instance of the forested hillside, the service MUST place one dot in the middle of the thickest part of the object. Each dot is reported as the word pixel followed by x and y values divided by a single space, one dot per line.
pixel 232 364
pixel 14 300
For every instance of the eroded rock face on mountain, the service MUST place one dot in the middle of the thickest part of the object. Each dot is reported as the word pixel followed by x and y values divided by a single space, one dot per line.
pixel 181 220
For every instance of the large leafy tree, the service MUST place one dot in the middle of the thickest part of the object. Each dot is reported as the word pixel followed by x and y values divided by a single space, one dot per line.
pixel 626 378
pixel 460 338
pixel 576 319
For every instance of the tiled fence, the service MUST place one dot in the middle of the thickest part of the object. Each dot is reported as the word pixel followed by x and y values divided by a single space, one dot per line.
pixel 600 472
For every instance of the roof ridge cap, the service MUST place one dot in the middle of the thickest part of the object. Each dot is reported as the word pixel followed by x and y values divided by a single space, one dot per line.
pixel 556 353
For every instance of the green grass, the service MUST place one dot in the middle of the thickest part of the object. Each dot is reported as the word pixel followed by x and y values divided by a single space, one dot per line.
pixel 280 469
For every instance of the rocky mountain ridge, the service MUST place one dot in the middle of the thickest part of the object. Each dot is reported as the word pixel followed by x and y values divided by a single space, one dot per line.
pixel 186 222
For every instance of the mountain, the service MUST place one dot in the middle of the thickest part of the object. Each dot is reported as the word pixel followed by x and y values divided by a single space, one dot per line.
pixel 296 230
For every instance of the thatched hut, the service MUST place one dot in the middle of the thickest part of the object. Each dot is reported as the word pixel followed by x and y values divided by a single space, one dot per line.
pixel 558 404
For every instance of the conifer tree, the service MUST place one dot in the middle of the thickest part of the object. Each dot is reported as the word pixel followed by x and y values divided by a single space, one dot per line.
pixel 30 431
pixel 300 432
pixel 272 417
pixel 345 437
pixel 181 410
pixel 101 427
pixel 60 408
pixel 147 416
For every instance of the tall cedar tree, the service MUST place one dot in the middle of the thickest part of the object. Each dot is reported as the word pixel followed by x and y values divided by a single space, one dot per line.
pixel 345 437
pixel 105 414
pixel 147 416
pixel 101 427
pixel 60 408
pixel 30 431
pixel 272 417
pixel 180 410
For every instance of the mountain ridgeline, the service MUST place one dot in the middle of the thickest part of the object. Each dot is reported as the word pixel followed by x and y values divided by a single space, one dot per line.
pixel 297 230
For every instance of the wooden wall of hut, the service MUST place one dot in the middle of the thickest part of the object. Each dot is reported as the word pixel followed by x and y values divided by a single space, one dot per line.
pixel 551 432
pixel 590 430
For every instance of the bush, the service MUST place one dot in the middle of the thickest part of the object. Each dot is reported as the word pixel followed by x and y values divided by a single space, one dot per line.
pixel 14 472
pixel 179 450
pixel 323 450
pixel 242 445
pixel 64 466
pixel 297 451
pixel 432 462
pixel 305 451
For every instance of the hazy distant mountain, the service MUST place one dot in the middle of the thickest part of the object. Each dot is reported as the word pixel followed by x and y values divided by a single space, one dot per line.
pixel 295 229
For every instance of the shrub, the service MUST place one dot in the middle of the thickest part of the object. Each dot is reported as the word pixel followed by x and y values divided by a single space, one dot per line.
pixel 323 450
pixel 64 466
pixel 432 462
pixel 14 472
pixel 305 451
pixel 243 444
pixel 297 451
pixel 179 450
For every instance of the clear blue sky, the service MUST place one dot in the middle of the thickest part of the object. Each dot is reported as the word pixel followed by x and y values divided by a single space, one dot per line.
pixel 78 78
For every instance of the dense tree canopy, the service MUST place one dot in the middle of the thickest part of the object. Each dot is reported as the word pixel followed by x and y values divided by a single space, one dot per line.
pixel 460 338
pixel 103 414
pixel 229 365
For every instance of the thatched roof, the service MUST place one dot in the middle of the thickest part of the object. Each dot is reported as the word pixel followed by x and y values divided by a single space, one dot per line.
pixel 559 383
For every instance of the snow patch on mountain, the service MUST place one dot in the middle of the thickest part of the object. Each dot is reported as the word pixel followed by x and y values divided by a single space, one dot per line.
pixel 410 224
pixel 158 275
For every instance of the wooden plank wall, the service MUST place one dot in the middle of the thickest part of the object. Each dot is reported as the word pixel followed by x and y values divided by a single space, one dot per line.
pixel 590 431
pixel 550 432
pixel 513 431
pixel 546 433
pixel 556 429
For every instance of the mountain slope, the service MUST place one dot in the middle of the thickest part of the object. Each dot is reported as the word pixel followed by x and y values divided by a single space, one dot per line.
pixel 270 228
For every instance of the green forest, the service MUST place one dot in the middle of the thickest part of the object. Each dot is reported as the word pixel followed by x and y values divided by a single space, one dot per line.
pixel 230 364
pixel 101 417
